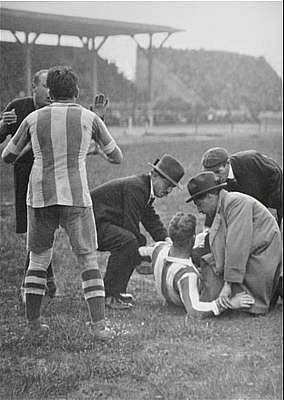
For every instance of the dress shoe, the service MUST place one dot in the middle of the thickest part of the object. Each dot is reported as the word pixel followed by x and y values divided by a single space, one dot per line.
pixel 116 304
pixel 126 297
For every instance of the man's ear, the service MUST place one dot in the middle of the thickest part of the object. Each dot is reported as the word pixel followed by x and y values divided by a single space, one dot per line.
pixel 77 92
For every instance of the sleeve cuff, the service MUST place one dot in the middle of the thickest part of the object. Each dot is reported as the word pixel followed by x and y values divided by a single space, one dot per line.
pixel 108 148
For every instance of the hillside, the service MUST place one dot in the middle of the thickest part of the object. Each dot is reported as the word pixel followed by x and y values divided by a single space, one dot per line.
pixel 12 75
pixel 213 79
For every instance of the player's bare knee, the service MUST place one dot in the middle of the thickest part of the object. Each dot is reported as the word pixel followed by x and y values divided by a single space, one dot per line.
pixel 40 260
pixel 88 261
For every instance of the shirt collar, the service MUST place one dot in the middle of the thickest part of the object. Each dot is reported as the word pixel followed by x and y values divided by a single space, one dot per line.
pixel 152 195
pixel 231 173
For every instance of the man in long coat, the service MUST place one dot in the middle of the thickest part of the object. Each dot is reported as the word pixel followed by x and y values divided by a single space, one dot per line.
pixel 119 207
pixel 244 240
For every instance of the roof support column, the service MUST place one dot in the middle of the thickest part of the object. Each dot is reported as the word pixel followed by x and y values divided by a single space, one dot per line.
pixel 94 69
pixel 28 65
pixel 150 88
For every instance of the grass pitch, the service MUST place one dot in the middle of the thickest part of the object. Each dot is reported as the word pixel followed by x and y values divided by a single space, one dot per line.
pixel 157 354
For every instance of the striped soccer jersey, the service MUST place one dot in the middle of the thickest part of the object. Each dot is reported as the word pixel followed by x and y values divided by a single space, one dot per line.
pixel 60 135
pixel 168 271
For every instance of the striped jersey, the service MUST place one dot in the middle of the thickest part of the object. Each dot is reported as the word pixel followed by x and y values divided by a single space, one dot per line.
pixel 60 135
pixel 168 271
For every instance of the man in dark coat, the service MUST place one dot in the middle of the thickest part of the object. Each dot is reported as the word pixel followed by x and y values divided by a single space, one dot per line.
pixel 13 115
pixel 248 172
pixel 119 207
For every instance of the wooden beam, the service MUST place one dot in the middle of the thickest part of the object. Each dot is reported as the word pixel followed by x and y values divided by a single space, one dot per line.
pixel 164 40
pixel 28 65
pixel 101 43
pixel 94 71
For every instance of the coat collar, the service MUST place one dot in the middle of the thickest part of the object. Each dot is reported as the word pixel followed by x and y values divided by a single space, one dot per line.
pixel 217 219
pixel 152 196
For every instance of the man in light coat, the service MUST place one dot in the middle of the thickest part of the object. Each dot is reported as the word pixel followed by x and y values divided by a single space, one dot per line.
pixel 244 239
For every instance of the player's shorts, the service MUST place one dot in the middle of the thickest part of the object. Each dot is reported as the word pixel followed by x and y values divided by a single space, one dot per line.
pixel 78 222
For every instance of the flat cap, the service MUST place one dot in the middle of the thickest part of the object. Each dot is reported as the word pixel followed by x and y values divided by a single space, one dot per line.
pixel 214 156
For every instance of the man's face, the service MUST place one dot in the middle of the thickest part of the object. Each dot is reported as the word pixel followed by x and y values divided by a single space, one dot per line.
pixel 207 205
pixel 40 92
pixel 162 187
pixel 221 170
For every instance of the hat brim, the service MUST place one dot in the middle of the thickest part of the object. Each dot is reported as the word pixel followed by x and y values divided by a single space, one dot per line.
pixel 198 194
pixel 166 176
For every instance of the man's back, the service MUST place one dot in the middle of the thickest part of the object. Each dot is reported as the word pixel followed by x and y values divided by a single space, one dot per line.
pixel 258 176
pixel 60 134
pixel 111 198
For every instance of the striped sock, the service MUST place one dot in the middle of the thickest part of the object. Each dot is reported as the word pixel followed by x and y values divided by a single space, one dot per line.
pixel 35 282
pixel 94 293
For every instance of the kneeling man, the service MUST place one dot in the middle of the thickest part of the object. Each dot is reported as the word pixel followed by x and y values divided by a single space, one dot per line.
pixel 244 239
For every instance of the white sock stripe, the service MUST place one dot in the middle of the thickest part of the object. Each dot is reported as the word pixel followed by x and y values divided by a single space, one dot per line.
pixel 97 293
pixel 92 282
pixel 35 279
pixel 36 267
pixel 39 292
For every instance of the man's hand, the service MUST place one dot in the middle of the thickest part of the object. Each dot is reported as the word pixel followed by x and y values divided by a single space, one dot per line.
pixel 9 117
pixel 224 296
pixel 100 105
pixel 241 300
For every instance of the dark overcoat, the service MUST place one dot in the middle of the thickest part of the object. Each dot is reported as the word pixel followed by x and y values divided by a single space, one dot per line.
pixel 258 176
pixel 125 202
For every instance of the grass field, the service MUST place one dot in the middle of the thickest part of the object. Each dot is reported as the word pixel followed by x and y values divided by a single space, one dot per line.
pixel 157 354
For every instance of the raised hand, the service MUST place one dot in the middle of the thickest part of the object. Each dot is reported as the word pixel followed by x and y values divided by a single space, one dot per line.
pixel 9 117
pixel 100 105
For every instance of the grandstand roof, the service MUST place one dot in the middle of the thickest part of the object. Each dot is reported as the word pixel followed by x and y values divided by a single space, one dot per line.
pixel 26 21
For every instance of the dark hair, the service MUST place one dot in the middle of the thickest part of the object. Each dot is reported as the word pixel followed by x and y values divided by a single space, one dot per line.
pixel 37 75
pixel 62 83
pixel 182 228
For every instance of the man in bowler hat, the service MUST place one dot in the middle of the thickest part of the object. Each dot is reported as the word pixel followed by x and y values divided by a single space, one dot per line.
pixel 248 172
pixel 244 241
pixel 120 206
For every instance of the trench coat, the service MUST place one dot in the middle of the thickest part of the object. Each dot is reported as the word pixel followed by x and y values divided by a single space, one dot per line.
pixel 246 244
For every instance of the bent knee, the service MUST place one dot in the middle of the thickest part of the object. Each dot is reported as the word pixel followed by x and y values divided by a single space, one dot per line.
pixel 88 261
pixel 40 260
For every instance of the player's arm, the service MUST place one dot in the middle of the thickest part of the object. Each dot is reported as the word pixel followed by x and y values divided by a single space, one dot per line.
pixel 108 147
pixel 189 295
pixel 147 251
pixel 16 143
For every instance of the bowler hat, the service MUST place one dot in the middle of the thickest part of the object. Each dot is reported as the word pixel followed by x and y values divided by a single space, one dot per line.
pixel 170 169
pixel 203 183
pixel 214 156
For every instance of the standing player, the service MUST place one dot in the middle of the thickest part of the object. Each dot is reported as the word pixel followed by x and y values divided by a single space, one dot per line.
pixel 58 193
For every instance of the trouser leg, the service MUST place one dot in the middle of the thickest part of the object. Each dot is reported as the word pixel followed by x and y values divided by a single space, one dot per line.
pixel 124 256
pixel 120 267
